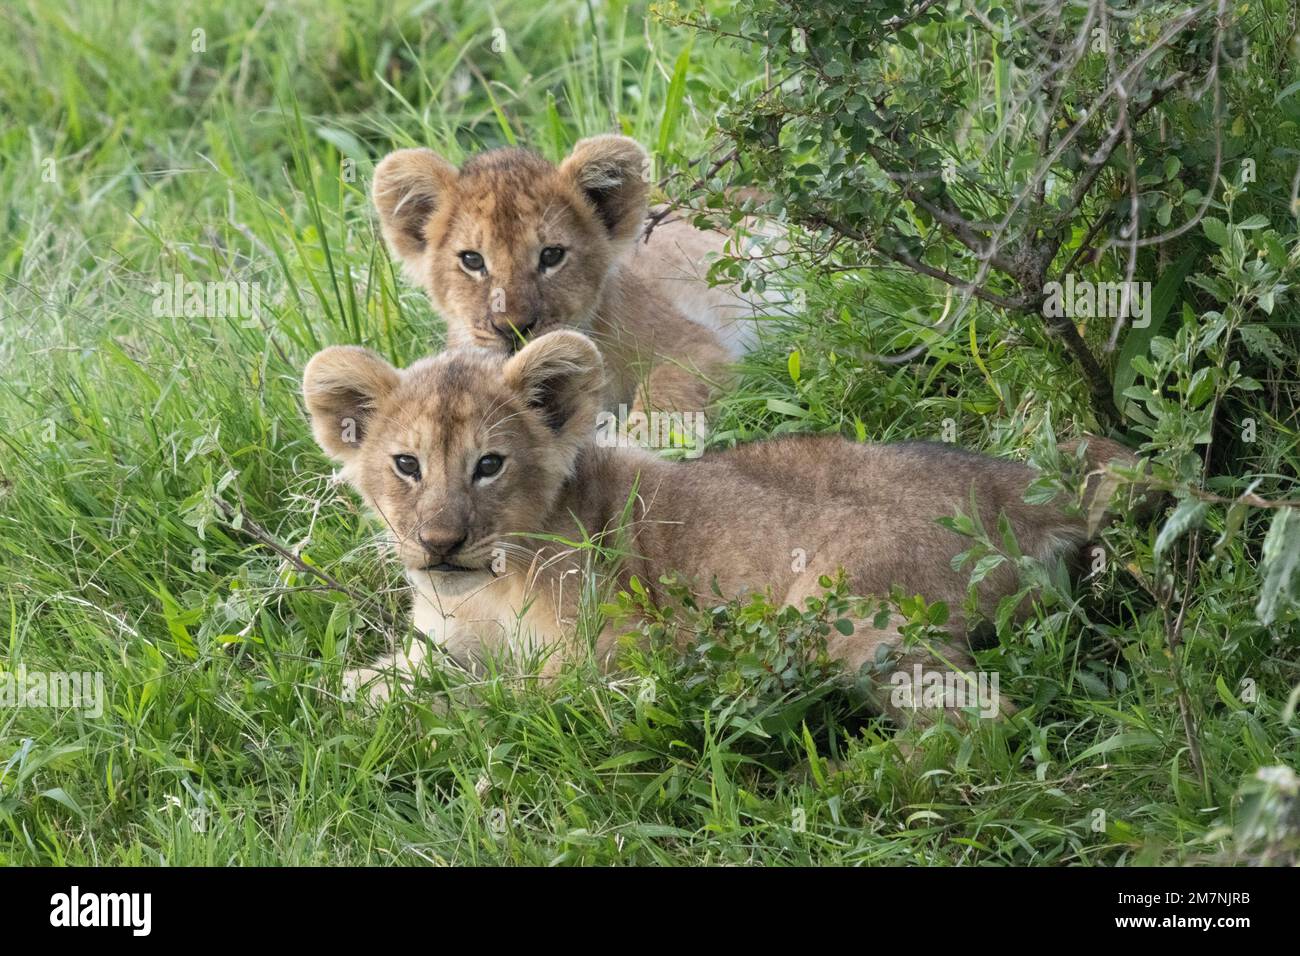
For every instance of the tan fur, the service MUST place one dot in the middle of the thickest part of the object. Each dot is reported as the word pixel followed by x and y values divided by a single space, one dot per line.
pixel 668 339
pixel 738 518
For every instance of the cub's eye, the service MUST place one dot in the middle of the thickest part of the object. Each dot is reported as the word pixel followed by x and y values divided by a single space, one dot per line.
pixel 488 466
pixel 407 465
pixel 551 256
pixel 472 261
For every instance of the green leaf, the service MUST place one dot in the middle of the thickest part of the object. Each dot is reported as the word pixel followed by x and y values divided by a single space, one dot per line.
pixel 627 759
pixel 1226 695
pixel 985 565
pixel 922 815
pixel 1216 230
pixel 60 796
pixel 1137 341
pixel 1231 525
pixel 814 762
pixel 786 408
pixel 1189 514
pixel 1122 741
pixel 1279 562
pixel 347 144
pixel 1201 388
pixel 1263 342
pixel 673 106
pixel 1287 92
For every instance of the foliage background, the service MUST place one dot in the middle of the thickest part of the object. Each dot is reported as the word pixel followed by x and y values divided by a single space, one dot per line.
pixel 1157 720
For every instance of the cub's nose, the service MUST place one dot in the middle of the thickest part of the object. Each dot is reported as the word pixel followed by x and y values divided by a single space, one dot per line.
pixel 513 332
pixel 440 546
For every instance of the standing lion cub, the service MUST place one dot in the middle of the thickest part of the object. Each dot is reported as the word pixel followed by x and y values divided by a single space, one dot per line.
pixel 511 246
pixel 479 463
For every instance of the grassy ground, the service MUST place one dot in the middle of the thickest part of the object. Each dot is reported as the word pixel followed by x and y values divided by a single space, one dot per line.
pixel 129 156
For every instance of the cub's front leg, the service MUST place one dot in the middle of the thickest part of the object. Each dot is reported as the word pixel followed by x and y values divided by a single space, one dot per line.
pixel 375 684
pixel 436 605
pixel 469 617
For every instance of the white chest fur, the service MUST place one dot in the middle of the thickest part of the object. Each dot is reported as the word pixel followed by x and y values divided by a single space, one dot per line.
pixel 472 613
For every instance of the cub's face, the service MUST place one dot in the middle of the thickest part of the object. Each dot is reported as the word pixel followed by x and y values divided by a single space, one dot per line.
pixel 460 453
pixel 511 246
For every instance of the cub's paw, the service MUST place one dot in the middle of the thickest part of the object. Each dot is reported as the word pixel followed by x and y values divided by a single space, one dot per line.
pixel 369 686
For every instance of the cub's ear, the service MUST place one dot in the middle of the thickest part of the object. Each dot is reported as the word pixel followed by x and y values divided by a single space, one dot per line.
pixel 562 375
pixel 408 186
pixel 342 386
pixel 613 172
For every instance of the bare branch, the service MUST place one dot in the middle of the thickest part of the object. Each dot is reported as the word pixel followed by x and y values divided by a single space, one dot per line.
pixel 240 521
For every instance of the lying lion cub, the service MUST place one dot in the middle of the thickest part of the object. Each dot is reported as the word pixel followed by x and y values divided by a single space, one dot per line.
pixel 469 456
pixel 511 246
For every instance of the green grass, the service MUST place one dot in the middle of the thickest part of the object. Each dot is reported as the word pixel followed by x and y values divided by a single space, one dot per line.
pixel 224 739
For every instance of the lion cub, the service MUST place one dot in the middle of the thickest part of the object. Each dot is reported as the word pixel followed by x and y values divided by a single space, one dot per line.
pixel 474 460
pixel 511 246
